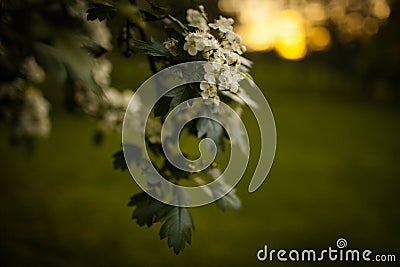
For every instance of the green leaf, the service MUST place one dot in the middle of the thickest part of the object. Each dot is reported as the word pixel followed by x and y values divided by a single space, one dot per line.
pixel 154 48
pixel 230 200
pixel 180 94
pixel 146 208
pixel 211 129
pixel 98 137
pixel 174 92
pixel 217 189
pixel 177 227
pixel 132 153
pixel 161 108
pixel 119 161
pixel 100 12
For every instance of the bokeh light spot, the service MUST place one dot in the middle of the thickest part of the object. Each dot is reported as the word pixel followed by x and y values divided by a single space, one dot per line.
pixel 319 39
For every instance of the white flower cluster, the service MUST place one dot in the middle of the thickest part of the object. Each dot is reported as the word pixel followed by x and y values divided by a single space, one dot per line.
pixel 153 130
pixel 113 108
pixel 34 117
pixel 197 18
pixel 223 50
pixel 110 108
pixel 32 71
pixel 101 72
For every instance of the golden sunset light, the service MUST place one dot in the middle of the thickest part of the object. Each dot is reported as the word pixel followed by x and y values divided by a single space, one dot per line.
pixel 293 28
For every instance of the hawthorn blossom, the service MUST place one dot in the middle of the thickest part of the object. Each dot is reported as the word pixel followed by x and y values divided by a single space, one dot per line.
pixel 34 118
pixel 232 59
pixel 222 24
pixel 215 55
pixel 100 33
pixel 32 71
pixel 229 80
pixel 198 42
pixel 208 90
pixel 114 108
pixel 171 45
pixel 194 43
pixel 153 130
pixel 232 41
pixel 101 72
pixel 212 71
pixel 197 19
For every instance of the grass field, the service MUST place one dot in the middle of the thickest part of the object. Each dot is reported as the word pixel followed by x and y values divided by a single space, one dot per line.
pixel 336 174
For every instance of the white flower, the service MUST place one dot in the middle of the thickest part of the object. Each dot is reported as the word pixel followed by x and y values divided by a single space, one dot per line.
pixel 210 41
pixel 32 71
pixel 232 58
pixel 113 96
pixel 208 90
pixel 153 130
pixel 112 120
pixel 126 96
pixel 12 89
pixel 194 43
pixel 102 72
pixel 34 117
pixel 212 70
pixel 198 42
pixel 233 37
pixel 197 19
pixel 117 99
pixel 170 45
pixel 134 114
pixel 100 33
pixel 224 25
pixel 87 99
pixel 231 41
pixel 229 79
pixel 113 110
pixel 217 55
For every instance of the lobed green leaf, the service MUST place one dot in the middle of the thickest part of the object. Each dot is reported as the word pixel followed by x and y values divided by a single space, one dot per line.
pixel 154 48
pixel 100 12
pixel 146 208
pixel 177 227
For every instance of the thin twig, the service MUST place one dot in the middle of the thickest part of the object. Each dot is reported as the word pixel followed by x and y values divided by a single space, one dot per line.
pixel 143 37
pixel 128 36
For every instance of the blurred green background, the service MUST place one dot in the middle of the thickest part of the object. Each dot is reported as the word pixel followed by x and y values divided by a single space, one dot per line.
pixel 336 174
